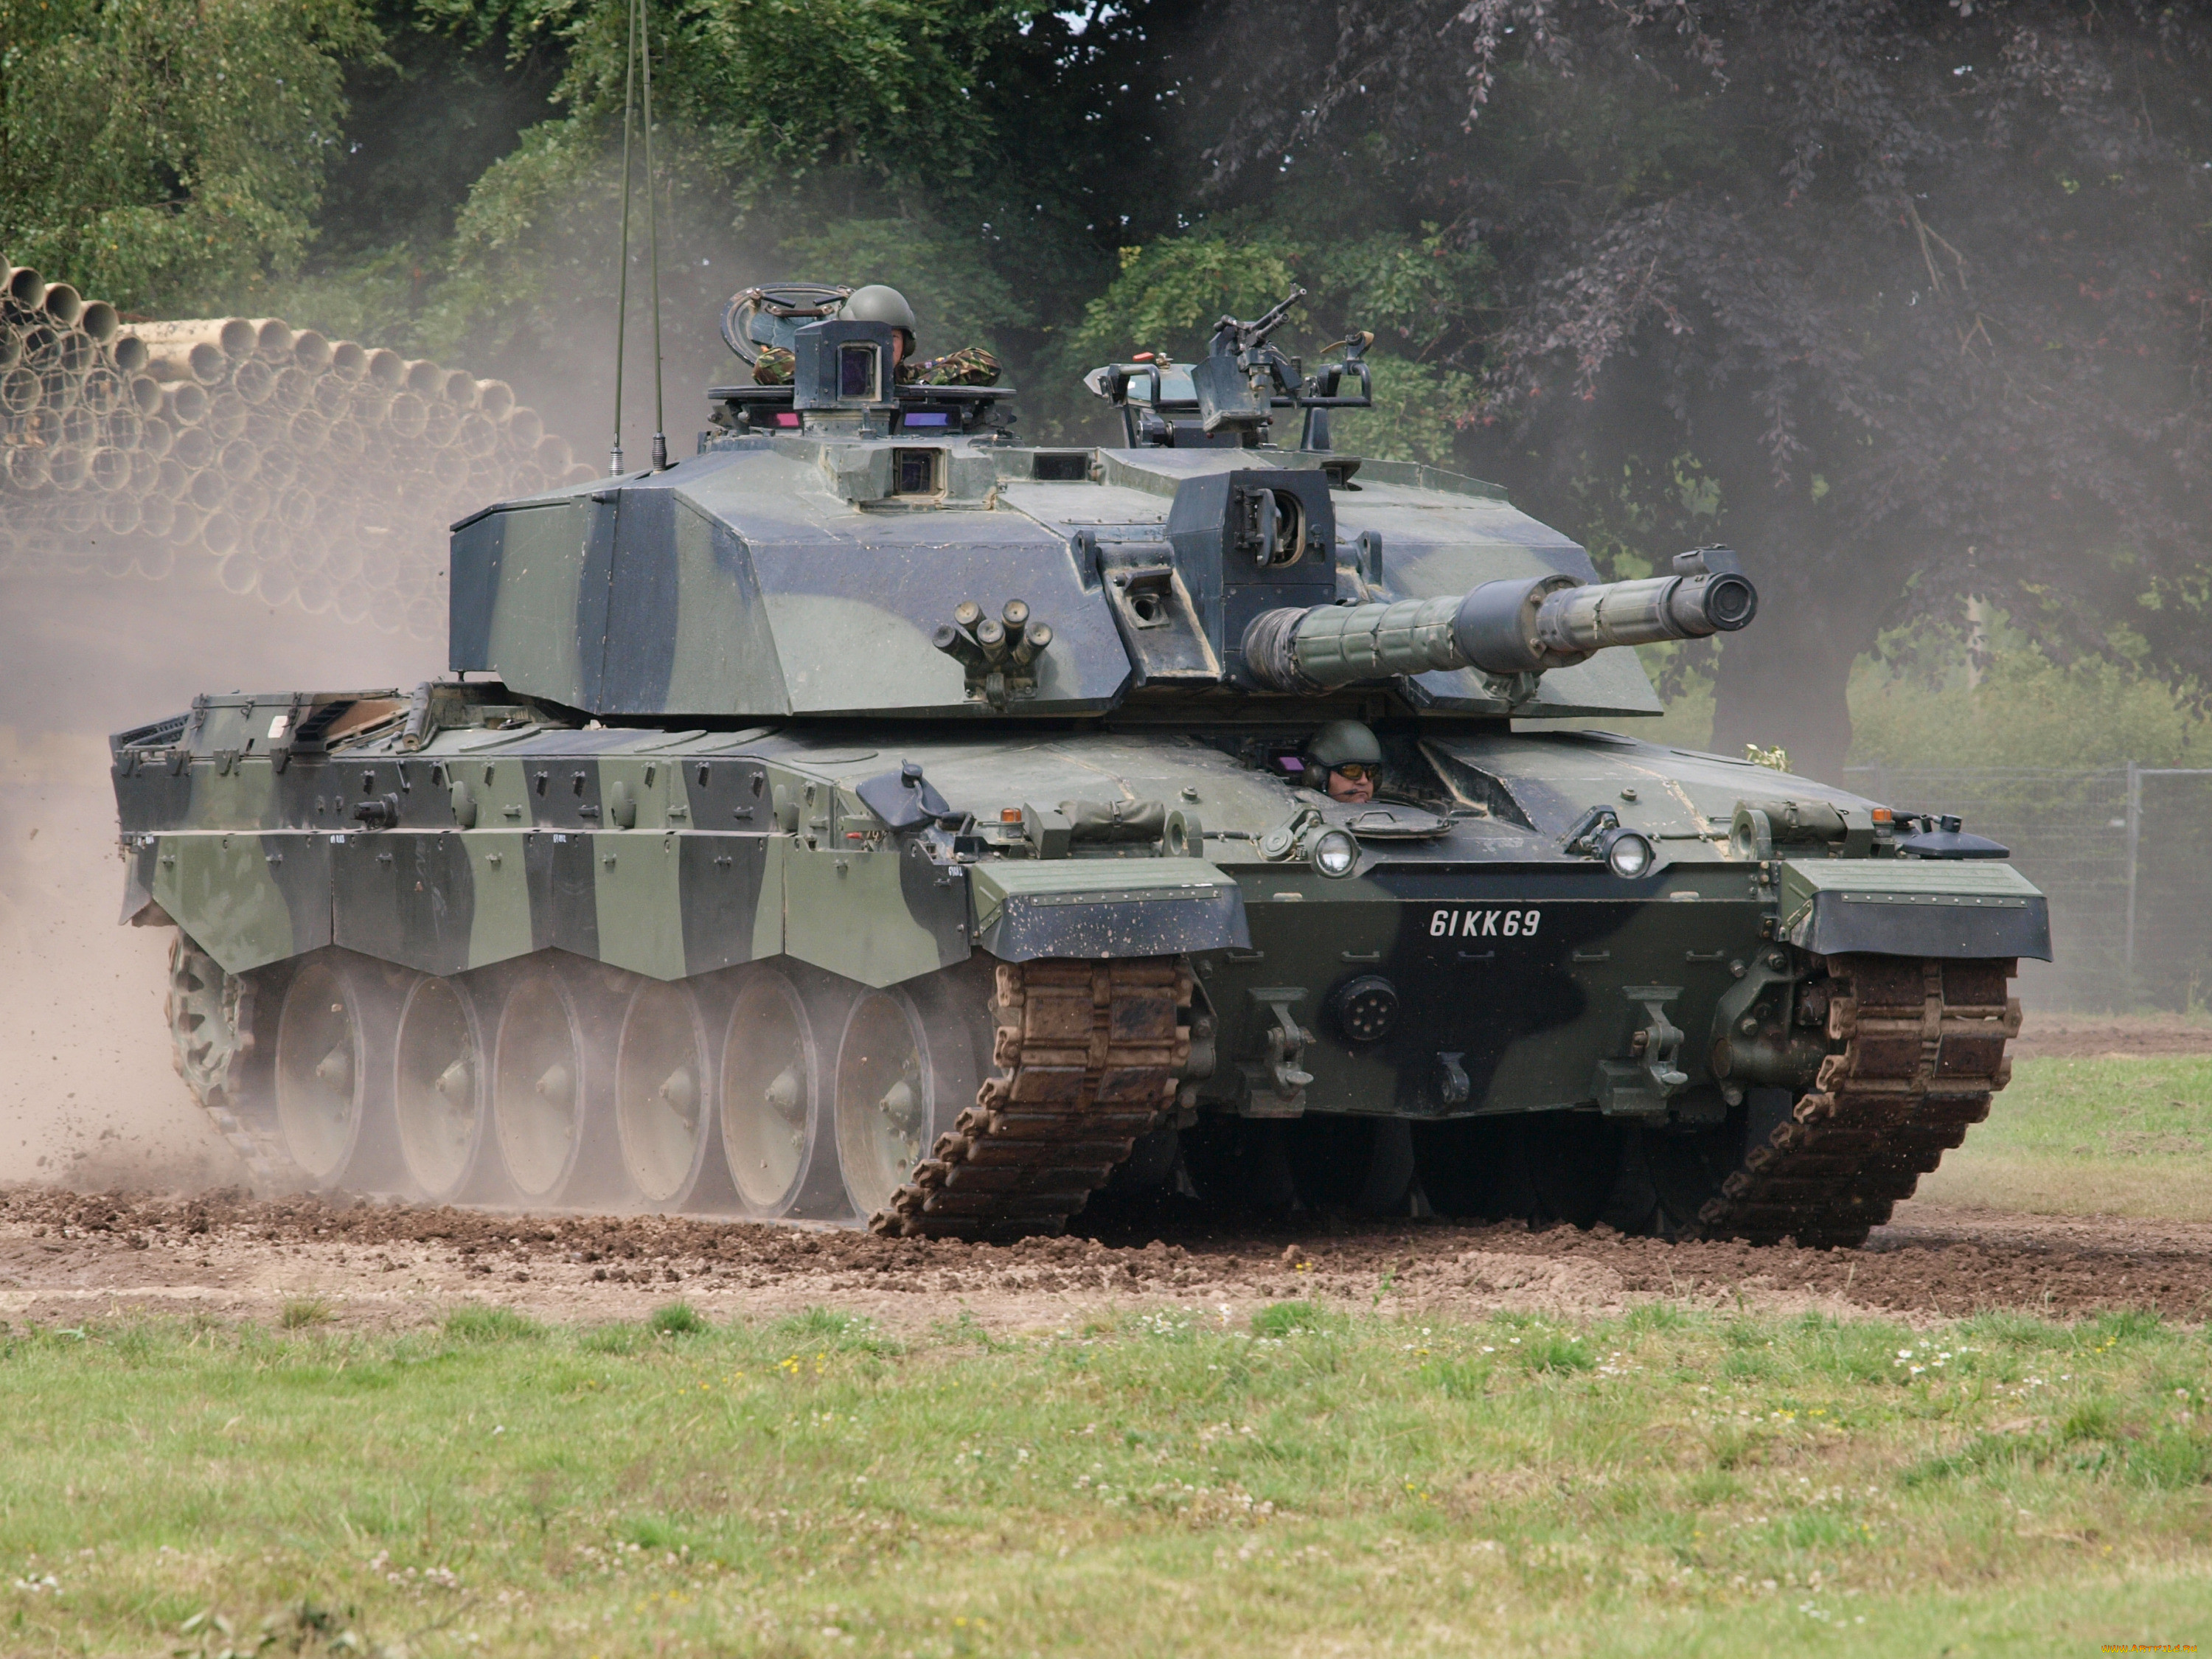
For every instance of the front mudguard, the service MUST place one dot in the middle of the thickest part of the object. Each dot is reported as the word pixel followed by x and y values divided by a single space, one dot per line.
pixel 1949 909
pixel 1109 908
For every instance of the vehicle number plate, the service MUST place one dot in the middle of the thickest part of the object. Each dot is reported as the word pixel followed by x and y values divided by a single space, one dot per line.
pixel 1484 924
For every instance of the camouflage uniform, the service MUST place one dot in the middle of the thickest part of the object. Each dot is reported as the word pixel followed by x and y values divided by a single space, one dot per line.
pixel 774 367
pixel 970 366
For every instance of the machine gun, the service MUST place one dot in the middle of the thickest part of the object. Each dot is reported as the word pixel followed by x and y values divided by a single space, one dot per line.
pixel 1521 626
pixel 1248 342
pixel 1235 386
pixel 1243 376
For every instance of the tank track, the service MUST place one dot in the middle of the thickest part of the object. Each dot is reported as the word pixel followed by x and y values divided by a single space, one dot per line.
pixel 210 1016
pixel 1090 1051
pixel 1923 1051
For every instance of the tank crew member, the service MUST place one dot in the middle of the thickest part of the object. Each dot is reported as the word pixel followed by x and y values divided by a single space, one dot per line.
pixel 877 304
pixel 970 366
pixel 1344 761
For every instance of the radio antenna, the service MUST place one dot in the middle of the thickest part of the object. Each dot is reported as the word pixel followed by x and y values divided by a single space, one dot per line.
pixel 622 262
pixel 653 237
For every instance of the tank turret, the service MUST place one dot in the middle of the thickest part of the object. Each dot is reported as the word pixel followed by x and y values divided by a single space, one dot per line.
pixel 1526 626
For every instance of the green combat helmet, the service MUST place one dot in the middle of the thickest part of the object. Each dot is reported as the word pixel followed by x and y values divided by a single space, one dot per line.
pixel 879 818
pixel 1344 740
pixel 970 366
pixel 877 304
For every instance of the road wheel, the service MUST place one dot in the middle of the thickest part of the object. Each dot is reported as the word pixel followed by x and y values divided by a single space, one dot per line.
pixel 322 1074
pixel 1540 1168
pixel 769 1077
pixel 885 1093
pixel 537 1084
pixel 1466 1168
pixel 661 1106
pixel 438 1089
pixel 1569 1162
pixel 1346 1163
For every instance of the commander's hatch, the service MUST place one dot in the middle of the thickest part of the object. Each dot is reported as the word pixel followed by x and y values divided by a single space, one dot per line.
pixel 1163 406
pixel 842 373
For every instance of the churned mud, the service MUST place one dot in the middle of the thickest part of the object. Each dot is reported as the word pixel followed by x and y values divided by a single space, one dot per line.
pixel 68 1256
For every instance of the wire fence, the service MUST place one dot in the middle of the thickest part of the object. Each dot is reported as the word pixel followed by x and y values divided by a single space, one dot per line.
pixel 2122 851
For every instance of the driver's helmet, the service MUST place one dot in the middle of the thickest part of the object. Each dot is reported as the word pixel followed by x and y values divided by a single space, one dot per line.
pixel 1340 741
pixel 877 304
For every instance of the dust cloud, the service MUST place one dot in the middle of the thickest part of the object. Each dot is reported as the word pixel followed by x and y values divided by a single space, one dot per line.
pixel 87 1095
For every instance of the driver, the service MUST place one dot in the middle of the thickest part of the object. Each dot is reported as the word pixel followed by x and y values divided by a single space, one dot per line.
pixel 875 303
pixel 1343 760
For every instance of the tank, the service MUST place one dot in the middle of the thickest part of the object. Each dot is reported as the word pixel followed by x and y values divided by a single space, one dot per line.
pixel 877 818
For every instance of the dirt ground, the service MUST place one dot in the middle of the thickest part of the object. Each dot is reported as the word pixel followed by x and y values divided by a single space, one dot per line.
pixel 2110 1036
pixel 65 1257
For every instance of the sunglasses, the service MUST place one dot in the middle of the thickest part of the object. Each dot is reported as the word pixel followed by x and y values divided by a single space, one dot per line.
pixel 1353 772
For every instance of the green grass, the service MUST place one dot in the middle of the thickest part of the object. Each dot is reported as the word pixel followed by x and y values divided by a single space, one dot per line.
pixel 677 1319
pixel 1166 1482
pixel 2090 1136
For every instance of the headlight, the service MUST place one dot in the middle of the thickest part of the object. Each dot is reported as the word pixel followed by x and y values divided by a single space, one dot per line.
pixel 1629 854
pixel 1336 854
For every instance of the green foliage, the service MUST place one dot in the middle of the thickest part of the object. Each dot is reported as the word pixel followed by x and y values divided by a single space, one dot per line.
pixel 371 297
pixel 1415 291
pixel 492 1325
pixel 166 157
pixel 783 85
pixel 1418 409
pixel 299 1311
pixel 677 1319
pixel 958 281
pixel 1169 296
pixel 1461 1379
pixel 1420 291
pixel 2086 1137
pixel 1554 1351
pixel 1299 1318
pixel 2026 711
pixel 750 98
pixel 619 1340
pixel 173 1488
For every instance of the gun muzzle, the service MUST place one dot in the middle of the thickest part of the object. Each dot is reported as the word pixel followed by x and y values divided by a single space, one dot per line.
pixel 1525 625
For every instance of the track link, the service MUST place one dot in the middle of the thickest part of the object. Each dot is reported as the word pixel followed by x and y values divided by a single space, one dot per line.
pixel 1090 1051
pixel 1922 1052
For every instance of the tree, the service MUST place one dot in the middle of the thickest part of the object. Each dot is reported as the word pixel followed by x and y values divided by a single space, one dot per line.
pixel 162 155
pixel 982 154
pixel 1412 289
pixel 1908 300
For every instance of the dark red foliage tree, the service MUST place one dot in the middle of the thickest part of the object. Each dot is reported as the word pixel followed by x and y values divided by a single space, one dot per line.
pixel 1920 286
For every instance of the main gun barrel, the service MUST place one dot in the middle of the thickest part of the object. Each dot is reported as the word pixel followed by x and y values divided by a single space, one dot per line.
pixel 1520 626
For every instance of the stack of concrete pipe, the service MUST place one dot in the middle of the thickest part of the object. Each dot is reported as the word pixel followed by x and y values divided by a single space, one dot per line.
pixel 313 472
